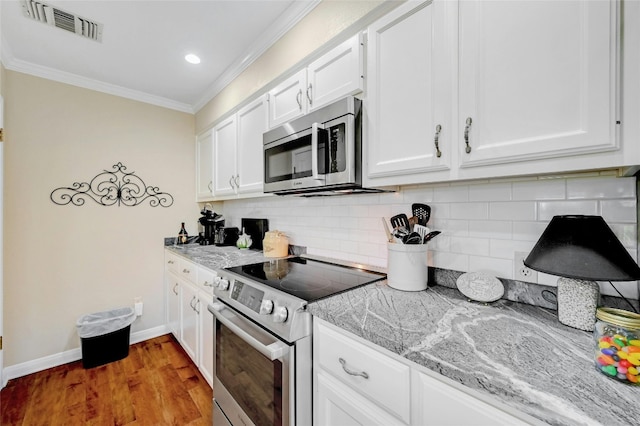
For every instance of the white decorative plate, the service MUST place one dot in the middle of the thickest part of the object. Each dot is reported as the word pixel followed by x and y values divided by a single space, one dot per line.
pixel 480 286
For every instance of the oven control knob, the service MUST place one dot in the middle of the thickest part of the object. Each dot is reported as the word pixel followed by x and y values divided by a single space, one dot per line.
pixel 266 307
pixel 223 284
pixel 280 314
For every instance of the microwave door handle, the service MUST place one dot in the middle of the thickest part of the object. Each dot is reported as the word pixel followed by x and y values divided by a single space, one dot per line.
pixel 274 351
pixel 314 150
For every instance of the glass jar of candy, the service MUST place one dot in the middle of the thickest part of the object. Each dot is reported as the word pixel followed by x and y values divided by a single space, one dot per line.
pixel 617 339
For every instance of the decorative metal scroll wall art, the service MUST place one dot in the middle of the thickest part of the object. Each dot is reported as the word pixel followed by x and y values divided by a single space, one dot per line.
pixel 110 188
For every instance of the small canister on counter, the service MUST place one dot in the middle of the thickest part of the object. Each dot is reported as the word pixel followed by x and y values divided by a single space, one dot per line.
pixel 617 339
pixel 275 244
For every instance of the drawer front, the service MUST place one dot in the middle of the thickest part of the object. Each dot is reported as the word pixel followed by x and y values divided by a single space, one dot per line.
pixel 188 271
pixel 171 262
pixel 371 373
pixel 205 279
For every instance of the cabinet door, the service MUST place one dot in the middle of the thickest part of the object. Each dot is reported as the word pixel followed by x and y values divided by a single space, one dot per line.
pixel 336 404
pixel 224 153
pixel 173 304
pixel 437 403
pixel 190 321
pixel 336 74
pixel 252 123
pixel 204 166
pixel 537 79
pixel 206 338
pixel 288 99
pixel 407 91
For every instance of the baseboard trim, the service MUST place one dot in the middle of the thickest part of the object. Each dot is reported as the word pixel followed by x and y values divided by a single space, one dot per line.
pixel 50 361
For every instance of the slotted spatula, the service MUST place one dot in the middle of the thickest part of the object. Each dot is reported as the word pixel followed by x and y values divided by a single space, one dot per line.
pixel 400 220
pixel 422 212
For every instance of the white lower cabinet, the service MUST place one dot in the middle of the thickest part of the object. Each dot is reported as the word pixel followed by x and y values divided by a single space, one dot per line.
pixel 189 291
pixel 207 354
pixel 358 383
pixel 338 404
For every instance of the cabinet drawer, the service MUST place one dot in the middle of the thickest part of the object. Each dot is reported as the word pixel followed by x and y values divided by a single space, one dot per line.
pixel 188 271
pixel 379 377
pixel 205 279
pixel 171 262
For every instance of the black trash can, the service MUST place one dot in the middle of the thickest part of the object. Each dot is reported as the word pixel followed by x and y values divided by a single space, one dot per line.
pixel 104 336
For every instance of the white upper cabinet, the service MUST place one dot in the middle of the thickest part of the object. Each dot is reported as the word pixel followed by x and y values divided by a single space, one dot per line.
pixel 337 73
pixel 537 79
pixel 225 137
pixel 204 166
pixel 506 88
pixel 252 123
pixel 407 115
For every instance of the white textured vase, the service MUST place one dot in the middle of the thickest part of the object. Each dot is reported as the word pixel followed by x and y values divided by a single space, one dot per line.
pixel 577 303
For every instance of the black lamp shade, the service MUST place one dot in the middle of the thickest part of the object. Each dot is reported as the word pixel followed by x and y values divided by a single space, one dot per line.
pixel 582 247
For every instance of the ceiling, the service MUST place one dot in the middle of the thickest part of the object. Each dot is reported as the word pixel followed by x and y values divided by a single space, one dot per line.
pixel 144 42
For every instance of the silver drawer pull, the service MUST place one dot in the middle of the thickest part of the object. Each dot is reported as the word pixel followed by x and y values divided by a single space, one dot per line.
pixel 466 135
pixel 208 284
pixel 186 271
pixel 174 289
pixel 437 141
pixel 351 372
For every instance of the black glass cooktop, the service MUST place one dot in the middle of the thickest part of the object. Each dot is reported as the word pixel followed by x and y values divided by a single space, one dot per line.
pixel 307 279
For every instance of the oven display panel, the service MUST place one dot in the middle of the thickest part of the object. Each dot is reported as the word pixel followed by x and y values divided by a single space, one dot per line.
pixel 248 296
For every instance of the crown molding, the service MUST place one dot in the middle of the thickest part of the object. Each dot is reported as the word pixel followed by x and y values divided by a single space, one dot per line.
pixel 288 20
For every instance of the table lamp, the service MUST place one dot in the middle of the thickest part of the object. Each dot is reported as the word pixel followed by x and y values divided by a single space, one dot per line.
pixel 581 250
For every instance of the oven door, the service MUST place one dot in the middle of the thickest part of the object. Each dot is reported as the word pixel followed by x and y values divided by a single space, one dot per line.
pixel 252 384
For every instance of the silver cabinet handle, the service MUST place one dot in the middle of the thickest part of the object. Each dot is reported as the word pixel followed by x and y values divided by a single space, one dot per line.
pixel 351 372
pixel 299 99
pixel 197 306
pixel 231 181
pixel 207 284
pixel 192 303
pixel 186 271
pixel 174 289
pixel 436 141
pixel 309 94
pixel 237 181
pixel 170 262
pixel 210 186
pixel 466 135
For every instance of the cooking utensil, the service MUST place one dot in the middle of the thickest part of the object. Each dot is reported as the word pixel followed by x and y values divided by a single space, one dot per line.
pixel 400 220
pixel 387 231
pixel 413 221
pixel 413 238
pixel 422 212
pixel 422 230
pixel 430 236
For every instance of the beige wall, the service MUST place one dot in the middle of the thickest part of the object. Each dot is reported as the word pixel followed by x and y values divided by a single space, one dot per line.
pixel 325 22
pixel 64 261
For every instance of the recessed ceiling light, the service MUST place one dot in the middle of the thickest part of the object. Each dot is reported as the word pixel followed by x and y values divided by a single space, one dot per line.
pixel 192 59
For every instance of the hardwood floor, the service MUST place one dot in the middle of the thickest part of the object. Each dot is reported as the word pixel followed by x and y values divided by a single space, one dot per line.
pixel 157 384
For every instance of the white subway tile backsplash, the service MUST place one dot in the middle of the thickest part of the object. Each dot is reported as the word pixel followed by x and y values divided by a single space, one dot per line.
pixel 483 223
pixel 500 229
pixel 552 189
pixel 516 210
pixel 451 194
pixel 490 192
pixel 469 211
pixel 601 188
pixel 548 209
pixel 619 211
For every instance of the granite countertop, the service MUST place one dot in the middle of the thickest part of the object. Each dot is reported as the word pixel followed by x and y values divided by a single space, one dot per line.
pixel 517 354
pixel 216 257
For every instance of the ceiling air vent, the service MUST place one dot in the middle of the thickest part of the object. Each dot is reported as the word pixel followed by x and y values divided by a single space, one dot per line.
pixel 62 19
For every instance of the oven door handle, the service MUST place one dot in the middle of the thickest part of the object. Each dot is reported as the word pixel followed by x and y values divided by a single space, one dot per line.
pixel 274 351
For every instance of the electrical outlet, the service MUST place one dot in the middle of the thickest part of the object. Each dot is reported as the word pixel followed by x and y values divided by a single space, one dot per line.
pixel 520 271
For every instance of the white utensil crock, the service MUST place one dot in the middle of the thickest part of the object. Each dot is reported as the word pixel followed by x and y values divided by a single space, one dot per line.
pixel 407 267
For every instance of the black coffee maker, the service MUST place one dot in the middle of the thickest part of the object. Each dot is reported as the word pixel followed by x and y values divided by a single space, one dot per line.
pixel 210 222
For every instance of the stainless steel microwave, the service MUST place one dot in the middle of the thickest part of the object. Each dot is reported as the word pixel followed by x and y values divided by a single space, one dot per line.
pixel 317 154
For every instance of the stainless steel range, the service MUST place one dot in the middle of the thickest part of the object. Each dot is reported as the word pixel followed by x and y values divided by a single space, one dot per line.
pixel 263 357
